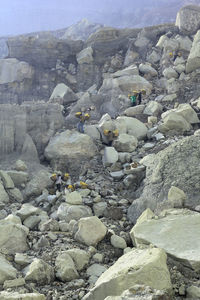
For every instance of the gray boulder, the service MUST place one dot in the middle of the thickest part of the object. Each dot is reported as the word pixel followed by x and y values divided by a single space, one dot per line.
pixel 63 94
pixel 39 271
pixel 193 61
pixel 188 19
pixel 177 165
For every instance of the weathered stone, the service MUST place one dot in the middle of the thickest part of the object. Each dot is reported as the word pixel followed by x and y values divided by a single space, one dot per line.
pixel 175 233
pixel 74 198
pixel 118 242
pixel 99 208
pixel 85 56
pixel 69 148
pixel 14 283
pixel 7 181
pixel 13 237
pixel 63 94
pixel 32 221
pixel 65 268
pixel 125 143
pixel 146 267
pixel 68 212
pixel 12 70
pixel 90 231
pixel 131 126
pixel 177 165
pixel 193 61
pixel 130 71
pixel 132 111
pixel 39 271
pixel 22 259
pixel 29 150
pixel 153 108
pixel 95 271
pixel 174 121
pixel 18 296
pixel 170 73
pixel 177 197
pixel 15 195
pixel 80 258
pixel 187 19
pixel 20 165
pixel 3 195
pixel 18 177
pixel 110 156
pixel 193 292
pixel 7 271
pixel 27 210
pixel 147 69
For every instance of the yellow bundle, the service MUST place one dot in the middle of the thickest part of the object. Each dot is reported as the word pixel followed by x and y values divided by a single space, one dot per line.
pixel 53 177
pixel 66 176
pixel 87 116
pixel 106 131
pixel 78 114
pixel 116 132
pixel 83 185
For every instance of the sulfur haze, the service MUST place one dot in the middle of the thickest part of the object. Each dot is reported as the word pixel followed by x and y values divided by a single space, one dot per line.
pixel 24 16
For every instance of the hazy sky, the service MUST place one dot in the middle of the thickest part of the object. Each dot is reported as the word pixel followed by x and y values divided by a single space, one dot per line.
pixel 20 16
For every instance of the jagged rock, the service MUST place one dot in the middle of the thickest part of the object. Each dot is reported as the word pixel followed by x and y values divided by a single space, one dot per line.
pixel 187 19
pixel 186 111
pixel 7 181
pixel 29 151
pixel 110 156
pixel 4 198
pixel 95 271
pixel 125 143
pixel 20 165
pixel 129 71
pixel 147 69
pixel 13 237
pixel 37 185
pixel 13 219
pixel 63 94
pixel 80 258
pixel 99 208
pixel 154 57
pixel 32 221
pixel 7 271
pixel 130 57
pixel 132 111
pixel 185 43
pixel 49 225
pixel 18 177
pixel 39 271
pixel 126 84
pixel 65 267
pixel 85 56
pixel 118 242
pixel 12 70
pixel 15 195
pixel 141 292
pixel 14 283
pixel 42 51
pixel 179 230
pixel 26 211
pixel 177 197
pixel 74 198
pixel 193 292
pixel 68 212
pixel 177 165
pixel 153 108
pixel 90 231
pixel 193 61
pixel 131 126
pixel 170 73
pixel 174 121
pixel 18 296
pixel 179 68
pixel 146 267
pixel 68 149
pixel 169 98
pixel 93 132
pixel 81 30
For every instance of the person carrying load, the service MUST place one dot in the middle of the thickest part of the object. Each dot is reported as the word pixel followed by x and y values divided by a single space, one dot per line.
pixel 110 135
pixel 133 98
pixel 83 117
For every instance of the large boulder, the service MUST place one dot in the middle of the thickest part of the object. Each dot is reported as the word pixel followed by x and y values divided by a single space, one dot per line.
pixel 13 237
pixel 129 71
pixel 39 182
pixel 85 56
pixel 125 143
pixel 18 296
pixel 131 126
pixel 7 271
pixel 70 149
pixel 126 84
pixel 193 61
pixel 65 267
pixel 188 19
pixel 90 231
pixel 153 108
pixel 177 165
pixel 146 267
pixel 69 212
pixel 18 177
pixel 12 70
pixel 175 233
pixel 4 198
pixel 63 94
pixel 147 69
pixel 174 121
pixel 39 271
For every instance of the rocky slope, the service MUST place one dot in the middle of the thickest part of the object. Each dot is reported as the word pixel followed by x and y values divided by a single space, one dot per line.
pixel 130 228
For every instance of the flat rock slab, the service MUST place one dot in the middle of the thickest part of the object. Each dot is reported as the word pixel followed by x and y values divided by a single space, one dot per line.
pixel 177 234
